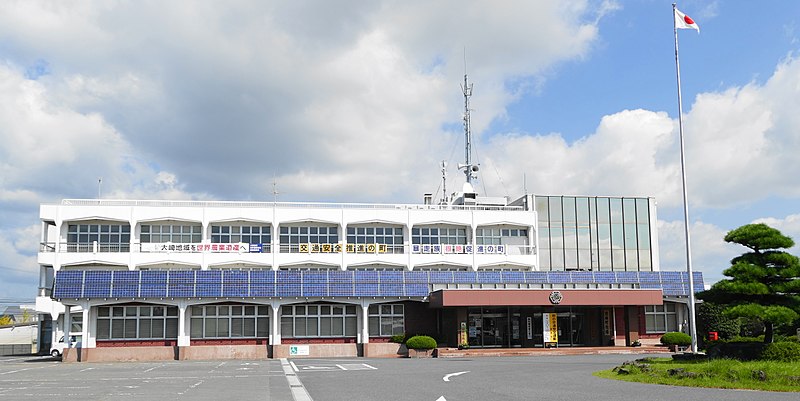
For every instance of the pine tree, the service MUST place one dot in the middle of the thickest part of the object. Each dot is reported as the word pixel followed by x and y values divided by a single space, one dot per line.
pixel 764 283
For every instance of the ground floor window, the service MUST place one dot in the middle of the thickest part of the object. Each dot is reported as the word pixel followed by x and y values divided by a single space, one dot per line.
pixel 230 321
pixel 661 318
pixel 318 320
pixel 137 322
pixel 386 320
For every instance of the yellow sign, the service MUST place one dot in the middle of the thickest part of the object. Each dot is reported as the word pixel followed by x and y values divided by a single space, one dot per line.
pixel 550 327
pixel 366 248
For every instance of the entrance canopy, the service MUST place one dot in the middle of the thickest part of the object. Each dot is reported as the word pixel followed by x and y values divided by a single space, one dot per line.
pixel 497 297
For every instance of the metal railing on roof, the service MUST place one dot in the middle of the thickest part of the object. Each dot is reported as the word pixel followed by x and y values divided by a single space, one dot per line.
pixel 292 205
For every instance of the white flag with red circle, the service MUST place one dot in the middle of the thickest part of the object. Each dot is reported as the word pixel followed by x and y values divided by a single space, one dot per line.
pixel 683 21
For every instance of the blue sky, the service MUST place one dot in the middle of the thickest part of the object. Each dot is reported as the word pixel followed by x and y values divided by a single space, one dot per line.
pixel 355 101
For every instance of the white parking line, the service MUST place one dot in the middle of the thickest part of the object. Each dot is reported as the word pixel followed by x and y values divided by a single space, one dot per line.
pixel 299 392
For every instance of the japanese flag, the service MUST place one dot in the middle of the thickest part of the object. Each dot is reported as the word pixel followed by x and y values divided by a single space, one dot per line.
pixel 683 21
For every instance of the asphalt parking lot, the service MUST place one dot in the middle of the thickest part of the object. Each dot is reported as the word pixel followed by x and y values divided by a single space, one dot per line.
pixel 501 378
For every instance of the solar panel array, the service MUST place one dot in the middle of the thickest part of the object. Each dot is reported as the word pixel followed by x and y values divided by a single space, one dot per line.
pixel 239 283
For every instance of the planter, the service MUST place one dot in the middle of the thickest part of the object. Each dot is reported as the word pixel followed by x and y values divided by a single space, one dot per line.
pixel 421 353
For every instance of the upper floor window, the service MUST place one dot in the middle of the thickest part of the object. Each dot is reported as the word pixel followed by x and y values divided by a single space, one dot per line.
pixel 184 234
pixel 109 237
pixel 501 236
pixel 439 235
pixel 297 238
pixel 235 234
pixel 392 237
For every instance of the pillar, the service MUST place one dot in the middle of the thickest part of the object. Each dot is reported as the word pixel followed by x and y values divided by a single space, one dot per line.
pixel 86 341
pixel 274 324
pixel 67 324
pixel 364 323
pixel 183 327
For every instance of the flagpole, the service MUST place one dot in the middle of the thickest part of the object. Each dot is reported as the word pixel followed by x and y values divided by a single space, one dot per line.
pixel 692 324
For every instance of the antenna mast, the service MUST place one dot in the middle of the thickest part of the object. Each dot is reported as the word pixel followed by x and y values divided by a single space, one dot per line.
pixel 469 170
pixel 443 165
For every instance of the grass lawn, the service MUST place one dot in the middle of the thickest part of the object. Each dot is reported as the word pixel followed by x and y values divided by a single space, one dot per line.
pixel 716 373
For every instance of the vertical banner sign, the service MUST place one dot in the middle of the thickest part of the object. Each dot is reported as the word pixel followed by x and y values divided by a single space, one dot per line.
pixel 530 328
pixel 462 334
pixel 550 327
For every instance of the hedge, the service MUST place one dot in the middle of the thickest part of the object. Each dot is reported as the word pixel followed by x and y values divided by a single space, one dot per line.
pixel 421 342
pixel 676 338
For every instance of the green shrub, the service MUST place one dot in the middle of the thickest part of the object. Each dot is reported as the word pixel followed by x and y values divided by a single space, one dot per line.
pixel 398 338
pixel 676 338
pixel 784 352
pixel 421 342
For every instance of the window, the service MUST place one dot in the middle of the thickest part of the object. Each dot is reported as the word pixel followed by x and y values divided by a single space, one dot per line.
pixel 109 237
pixel 660 318
pixel 150 322
pixel 294 239
pixel 439 235
pixel 392 237
pixel 500 236
pixel 386 320
pixel 230 321
pixel 189 234
pixel 223 234
pixel 318 320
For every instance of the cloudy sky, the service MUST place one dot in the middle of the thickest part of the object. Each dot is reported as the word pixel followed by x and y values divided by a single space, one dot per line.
pixel 358 101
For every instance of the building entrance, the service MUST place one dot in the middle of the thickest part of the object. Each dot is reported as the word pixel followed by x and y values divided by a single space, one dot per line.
pixel 494 327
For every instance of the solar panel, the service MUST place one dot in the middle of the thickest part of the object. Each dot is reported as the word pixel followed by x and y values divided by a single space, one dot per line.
pixel 125 276
pixel 154 276
pixel 97 290
pixel 489 277
pixel 208 277
pixel 208 290
pixel 315 290
pixel 649 277
pixel 314 277
pixel 181 276
pixel 69 276
pixel 234 290
pixel 365 276
pixel 559 277
pixel 234 276
pixel 180 290
pixel 390 277
pixel 153 289
pixel 262 290
pixel 416 290
pixel 605 277
pixel 288 276
pixel 536 277
pixel 581 277
pixel 416 277
pixel 288 289
pixel 123 290
pixel 262 276
pixel 338 276
pixel 67 290
pixel 440 277
pixel 513 277
pixel 627 277
pixel 465 277
pixel 340 289
pixel 366 290
pixel 391 290
pixel 97 277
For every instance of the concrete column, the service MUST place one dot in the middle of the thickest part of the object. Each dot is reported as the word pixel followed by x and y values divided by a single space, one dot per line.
pixel 86 341
pixel 275 324
pixel 364 323
pixel 67 324
pixel 184 325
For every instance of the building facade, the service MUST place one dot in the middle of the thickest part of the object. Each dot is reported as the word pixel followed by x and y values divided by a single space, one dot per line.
pixel 124 279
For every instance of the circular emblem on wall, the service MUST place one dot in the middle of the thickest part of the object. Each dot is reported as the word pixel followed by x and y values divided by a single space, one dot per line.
pixel 556 297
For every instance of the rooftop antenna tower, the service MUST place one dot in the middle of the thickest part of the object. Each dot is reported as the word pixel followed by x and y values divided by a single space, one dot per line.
pixel 443 165
pixel 470 170
pixel 274 190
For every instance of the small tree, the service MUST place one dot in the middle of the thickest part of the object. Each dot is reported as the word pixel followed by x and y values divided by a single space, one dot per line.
pixel 764 283
pixel 6 320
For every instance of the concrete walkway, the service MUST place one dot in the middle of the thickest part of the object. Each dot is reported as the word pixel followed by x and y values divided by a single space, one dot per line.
pixel 479 352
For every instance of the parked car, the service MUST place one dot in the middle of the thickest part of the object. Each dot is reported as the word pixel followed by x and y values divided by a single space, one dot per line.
pixel 58 348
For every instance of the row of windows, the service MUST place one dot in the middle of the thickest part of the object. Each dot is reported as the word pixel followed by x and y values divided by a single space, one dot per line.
pixel 386 320
pixel 137 322
pixel 171 233
pixel 230 321
pixel 438 235
pixel 237 234
pixel 318 321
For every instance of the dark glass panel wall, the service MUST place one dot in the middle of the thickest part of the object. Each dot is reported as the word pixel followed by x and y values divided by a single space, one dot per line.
pixel 594 233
